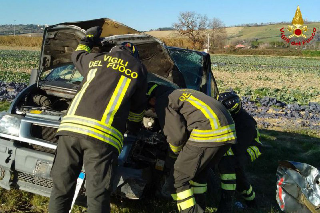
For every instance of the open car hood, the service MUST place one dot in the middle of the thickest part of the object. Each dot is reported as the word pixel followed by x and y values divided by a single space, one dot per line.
pixel 60 40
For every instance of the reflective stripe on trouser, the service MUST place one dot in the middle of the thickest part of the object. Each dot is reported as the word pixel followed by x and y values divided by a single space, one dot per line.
pixel 185 199
pixel 248 194
pixel 198 188
pixel 228 182
pixel 99 160
pixel 193 164
pixel 199 191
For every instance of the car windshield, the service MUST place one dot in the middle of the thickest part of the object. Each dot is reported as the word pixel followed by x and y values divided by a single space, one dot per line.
pixel 190 64
pixel 66 73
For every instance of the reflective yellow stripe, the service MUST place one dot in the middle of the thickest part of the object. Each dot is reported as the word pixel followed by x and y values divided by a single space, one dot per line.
pixel 199 189
pixel 92 133
pixel 175 148
pixel 228 176
pixel 229 153
pixel 151 89
pixel 76 100
pixel 182 195
pixel 186 204
pixel 247 192
pixel 222 138
pixel 135 117
pixel 197 184
pixel 251 197
pixel 258 136
pixel 93 124
pixel 137 120
pixel 234 107
pixel 215 132
pixel 89 36
pixel 206 110
pixel 228 186
pixel 256 151
pixel 83 47
pixel 251 153
pixel 116 100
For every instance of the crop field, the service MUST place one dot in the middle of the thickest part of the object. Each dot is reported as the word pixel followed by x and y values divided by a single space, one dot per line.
pixel 289 79
pixel 282 93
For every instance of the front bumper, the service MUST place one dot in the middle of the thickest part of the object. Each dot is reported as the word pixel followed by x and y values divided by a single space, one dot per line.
pixel 29 170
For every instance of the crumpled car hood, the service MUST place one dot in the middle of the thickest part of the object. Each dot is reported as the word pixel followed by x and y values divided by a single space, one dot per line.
pixel 60 40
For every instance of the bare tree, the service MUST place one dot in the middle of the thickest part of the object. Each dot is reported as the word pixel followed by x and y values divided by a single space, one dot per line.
pixel 218 33
pixel 193 26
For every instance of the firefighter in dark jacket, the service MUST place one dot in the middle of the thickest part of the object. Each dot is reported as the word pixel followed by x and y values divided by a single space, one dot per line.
pixel 199 129
pixel 91 133
pixel 232 164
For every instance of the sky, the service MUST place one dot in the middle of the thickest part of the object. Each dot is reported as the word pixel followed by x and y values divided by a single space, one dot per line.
pixel 144 15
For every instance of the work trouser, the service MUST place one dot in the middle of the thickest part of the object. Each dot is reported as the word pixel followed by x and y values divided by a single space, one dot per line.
pixel 190 174
pixel 233 178
pixel 99 160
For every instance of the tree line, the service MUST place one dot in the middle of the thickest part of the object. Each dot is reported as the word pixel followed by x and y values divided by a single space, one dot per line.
pixel 204 33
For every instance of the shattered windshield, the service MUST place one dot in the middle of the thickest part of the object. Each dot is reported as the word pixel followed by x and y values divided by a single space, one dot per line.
pixel 66 73
pixel 190 65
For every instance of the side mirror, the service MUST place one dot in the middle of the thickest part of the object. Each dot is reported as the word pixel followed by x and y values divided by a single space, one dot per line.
pixel 33 76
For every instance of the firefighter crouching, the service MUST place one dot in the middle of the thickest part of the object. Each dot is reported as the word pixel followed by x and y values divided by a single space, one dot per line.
pixel 91 133
pixel 232 164
pixel 199 129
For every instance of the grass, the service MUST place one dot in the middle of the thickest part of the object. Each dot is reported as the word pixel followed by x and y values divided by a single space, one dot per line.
pixel 278 146
pixel 4 105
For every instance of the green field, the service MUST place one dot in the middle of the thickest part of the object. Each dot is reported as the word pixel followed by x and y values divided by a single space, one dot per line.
pixel 267 33
pixel 287 78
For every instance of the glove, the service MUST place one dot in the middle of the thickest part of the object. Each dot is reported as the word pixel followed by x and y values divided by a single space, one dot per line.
pixel 92 37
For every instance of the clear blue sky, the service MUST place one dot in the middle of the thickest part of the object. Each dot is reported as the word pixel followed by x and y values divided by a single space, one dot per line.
pixel 144 15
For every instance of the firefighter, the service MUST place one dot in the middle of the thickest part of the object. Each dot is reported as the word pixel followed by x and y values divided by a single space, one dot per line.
pixel 91 133
pixel 232 164
pixel 199 129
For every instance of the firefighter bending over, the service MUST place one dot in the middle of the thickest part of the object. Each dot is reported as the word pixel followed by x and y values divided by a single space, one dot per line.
pixel 91 133
pixel 232 164
pixel 199 129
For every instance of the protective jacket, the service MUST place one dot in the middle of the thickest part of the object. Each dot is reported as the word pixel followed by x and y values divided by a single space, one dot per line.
pixel 189 115
pixel 113 90
pixel 247 136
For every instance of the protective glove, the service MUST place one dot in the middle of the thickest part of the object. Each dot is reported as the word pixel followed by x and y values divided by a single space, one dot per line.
pixel 92 37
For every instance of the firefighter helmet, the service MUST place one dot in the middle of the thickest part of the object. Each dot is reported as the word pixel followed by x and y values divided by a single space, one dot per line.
pixel 231 101
pixel 151 89
pixel 132 48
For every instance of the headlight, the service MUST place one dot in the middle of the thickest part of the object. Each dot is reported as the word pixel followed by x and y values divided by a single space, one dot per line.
pixel 9 124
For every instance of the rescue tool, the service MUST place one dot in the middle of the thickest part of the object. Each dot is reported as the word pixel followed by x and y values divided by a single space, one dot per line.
pixel 80 181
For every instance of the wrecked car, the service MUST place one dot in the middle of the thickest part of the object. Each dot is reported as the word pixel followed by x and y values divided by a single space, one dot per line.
pixel 28 127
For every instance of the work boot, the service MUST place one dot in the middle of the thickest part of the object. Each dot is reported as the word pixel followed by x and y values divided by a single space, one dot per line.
pixel 226 202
